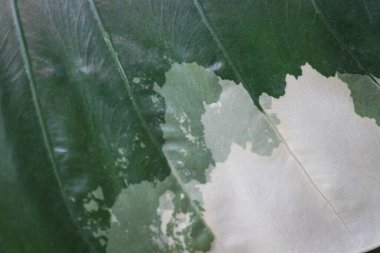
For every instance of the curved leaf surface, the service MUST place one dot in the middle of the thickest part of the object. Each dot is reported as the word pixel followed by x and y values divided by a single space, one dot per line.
pixel 189 126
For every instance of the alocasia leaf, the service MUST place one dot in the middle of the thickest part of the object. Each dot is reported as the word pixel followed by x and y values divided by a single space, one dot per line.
pixel 189 126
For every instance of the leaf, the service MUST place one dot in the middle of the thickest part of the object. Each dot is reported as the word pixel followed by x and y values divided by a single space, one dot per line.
pixel 189 126
pixel 296 177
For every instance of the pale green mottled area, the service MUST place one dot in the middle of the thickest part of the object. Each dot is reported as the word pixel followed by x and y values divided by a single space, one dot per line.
pixel 94 207
pixel 365 93
pixel 235 119
pixel 156 218
pixel 98 193
pixel 192 91
pixel 195 97
pixel 187 90
pixel 167 216
pixel 91 206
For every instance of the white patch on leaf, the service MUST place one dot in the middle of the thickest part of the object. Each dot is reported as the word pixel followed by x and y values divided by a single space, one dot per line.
pixel 338 148
pixel 98 193
pixel 91 205
pixel 216 66
pixel 185 126
pixel 179 222
pixel 136 80
pixel 60 150
pixel 329 202
pixel 114 218
pixel 165 210
pixel 122 159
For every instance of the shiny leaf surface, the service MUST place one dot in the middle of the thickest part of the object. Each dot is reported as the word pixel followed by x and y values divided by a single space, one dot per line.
pixel 189 126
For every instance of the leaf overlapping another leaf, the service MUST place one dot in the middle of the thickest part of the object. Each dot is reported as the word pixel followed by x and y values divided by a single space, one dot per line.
pixel 93 112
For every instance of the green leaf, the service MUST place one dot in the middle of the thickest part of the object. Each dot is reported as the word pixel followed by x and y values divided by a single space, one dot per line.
pixel 189 126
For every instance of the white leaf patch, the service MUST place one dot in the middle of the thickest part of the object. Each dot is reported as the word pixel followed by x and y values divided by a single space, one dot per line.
pixel 318 191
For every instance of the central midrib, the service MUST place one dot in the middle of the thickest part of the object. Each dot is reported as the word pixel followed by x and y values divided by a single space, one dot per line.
pixel 267 119
pixel 41 121
pixel 136 107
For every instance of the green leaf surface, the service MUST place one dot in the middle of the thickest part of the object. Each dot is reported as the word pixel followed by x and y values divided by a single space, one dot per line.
pixel 127 125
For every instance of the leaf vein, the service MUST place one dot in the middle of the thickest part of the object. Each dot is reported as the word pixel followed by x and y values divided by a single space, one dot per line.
pixel 36 103
pixel 121 71
pixel 340 41
pixel 266 117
